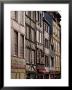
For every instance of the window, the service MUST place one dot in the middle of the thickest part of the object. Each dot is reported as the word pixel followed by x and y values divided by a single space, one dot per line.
pixel 52 62
pixel 46 27
pixel 46 43
pixel 37 35
pixel 38 55
pixel 27 55
pixel 22 46
pixel 32 35
pixel 16 43
pixel 38 16
pixel 16 16
pixel 40 19
pixel 27 31
pixel 52 47
pixel 32 57
pixel 40 38
pixel 22 18
pixel 46 61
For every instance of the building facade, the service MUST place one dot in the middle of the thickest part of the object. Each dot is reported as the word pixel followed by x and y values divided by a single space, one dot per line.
pixel 18 45
pixel 35 48
pixel 57 44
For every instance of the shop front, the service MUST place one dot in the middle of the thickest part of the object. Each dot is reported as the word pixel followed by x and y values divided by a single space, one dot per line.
pixel 30 72
pixel 52 74
pixel 31 75
pixel 57 75
pixel 42 72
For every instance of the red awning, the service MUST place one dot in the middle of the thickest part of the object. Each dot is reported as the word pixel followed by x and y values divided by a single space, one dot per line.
pixel 43 69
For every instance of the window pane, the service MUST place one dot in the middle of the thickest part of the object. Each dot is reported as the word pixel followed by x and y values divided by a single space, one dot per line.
pixel 38 56
pixel 48 28
pixel 27 55
pixel 32 35
pixel 16 42
pixel 32 56
pixel 27 32
pixel 40 37
pixel 38 16
pixel 40 19
pixel 46 43
pixel 37 36
pixel 46 61
pixel 22 46
pixel 52 62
